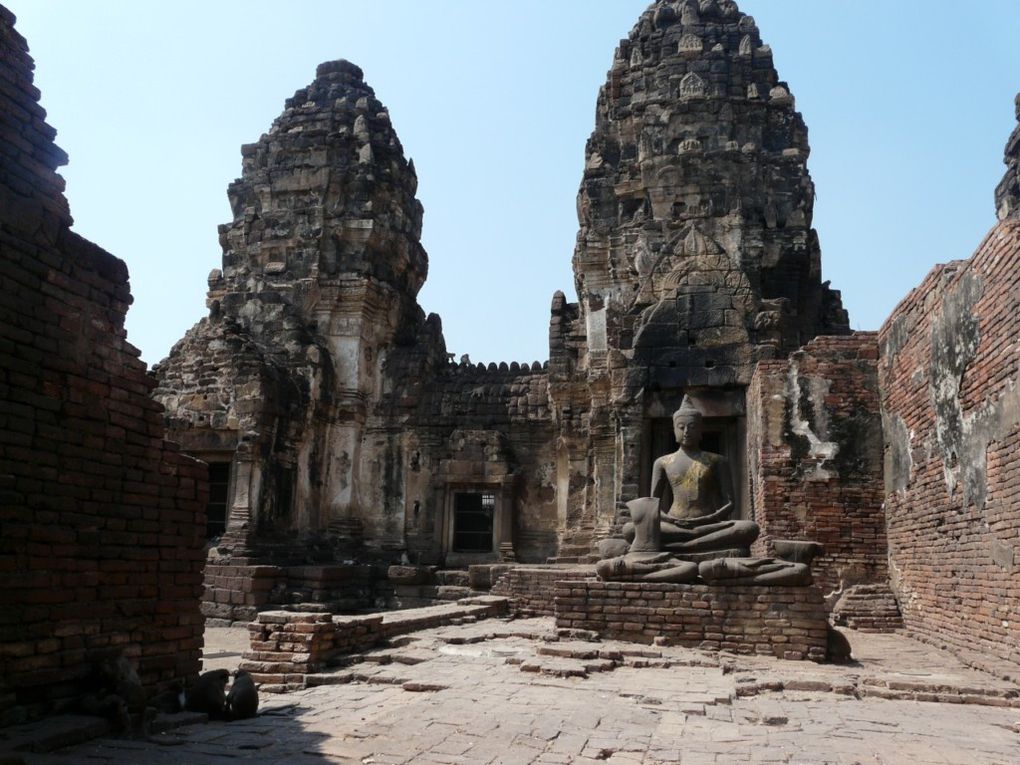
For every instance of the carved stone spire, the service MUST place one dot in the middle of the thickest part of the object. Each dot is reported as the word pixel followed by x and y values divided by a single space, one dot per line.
pixel 696 175
pixel 1007 194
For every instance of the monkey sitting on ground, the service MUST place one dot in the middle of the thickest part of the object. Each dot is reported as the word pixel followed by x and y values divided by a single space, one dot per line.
pixel 114 691
pixel 243 699
pixel 209 694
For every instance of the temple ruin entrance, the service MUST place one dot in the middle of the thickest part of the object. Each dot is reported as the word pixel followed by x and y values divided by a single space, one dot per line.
pixel 473 514
pixel 477 522
pixel 219 497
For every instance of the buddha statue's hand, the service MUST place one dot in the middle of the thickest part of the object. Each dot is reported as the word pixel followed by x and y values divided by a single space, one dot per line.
pixel 722 514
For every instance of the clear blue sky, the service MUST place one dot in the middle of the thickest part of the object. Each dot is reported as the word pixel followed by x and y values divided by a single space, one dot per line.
pixel 909 105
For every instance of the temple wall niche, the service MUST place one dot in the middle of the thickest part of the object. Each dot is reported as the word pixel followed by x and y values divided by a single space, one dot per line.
pixel 949 375
pixel 103 520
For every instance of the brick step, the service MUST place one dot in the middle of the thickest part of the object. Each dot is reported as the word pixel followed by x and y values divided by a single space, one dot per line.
pixel 868 608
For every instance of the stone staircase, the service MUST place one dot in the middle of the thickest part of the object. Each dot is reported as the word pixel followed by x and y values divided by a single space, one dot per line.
pixel 868 608
pixel 431 588
pixel 576 547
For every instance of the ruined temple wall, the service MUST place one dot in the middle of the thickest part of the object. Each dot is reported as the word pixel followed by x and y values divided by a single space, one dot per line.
pixel 476 427
pixel 101 549
pixel 949 370
pixel 815 457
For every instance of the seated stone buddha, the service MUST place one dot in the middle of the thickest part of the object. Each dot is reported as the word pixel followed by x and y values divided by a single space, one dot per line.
pixel 699 520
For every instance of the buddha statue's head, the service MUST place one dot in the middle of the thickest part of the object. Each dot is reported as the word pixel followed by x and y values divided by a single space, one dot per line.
pixel 687 424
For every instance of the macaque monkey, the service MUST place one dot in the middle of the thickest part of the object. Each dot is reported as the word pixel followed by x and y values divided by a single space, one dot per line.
pixel 243 699
pixel 209 694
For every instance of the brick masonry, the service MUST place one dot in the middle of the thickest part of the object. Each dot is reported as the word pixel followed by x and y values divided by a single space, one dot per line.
pixel 532 589
pixel 787 622
pixel 951 413
pixel 815 457
pixel 287 648
pixel 101 548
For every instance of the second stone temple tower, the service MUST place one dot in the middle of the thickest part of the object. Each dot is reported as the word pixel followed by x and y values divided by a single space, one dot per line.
pixel 695 257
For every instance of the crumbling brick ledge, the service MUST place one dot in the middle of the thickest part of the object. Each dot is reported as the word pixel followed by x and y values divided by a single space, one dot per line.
pixel 287 647
pixel 786 622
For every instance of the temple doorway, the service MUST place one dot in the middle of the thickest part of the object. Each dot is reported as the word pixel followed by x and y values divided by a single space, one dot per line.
pixel 473 515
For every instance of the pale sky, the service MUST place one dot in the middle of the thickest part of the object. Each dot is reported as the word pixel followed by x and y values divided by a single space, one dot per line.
pixel 909 105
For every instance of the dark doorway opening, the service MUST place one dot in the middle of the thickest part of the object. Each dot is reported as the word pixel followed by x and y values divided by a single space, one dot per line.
pixel 216 509
pixel 472 522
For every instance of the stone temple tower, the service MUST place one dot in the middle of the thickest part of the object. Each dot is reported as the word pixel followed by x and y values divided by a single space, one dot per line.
pixel 321 266
pixel 695 257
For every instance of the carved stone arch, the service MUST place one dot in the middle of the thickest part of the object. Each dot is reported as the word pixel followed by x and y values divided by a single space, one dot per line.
pixel 667 176
pixel 694 243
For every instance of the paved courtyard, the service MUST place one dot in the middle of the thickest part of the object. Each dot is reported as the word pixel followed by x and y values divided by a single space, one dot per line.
pixel 510 692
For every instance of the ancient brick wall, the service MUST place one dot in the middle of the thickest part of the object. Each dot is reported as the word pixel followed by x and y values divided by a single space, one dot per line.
pixel 814 441
pixel 786 622
pixel 951 413
pixel 101 521
pixel 532 589
pixel 234 592
pixel 288 650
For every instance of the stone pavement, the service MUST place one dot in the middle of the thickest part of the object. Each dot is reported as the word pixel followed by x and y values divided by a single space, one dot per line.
pixel 510 692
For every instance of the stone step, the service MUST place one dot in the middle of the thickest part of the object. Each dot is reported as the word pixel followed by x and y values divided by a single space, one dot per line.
pixel 452 592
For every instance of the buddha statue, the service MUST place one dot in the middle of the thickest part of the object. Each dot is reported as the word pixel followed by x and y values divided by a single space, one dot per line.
pixel 645 561
pixel 696 540
pixel 699 519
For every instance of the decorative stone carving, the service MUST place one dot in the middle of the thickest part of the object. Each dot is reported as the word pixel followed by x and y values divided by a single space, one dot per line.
pixel 665 15
pixel 691 44
pixel 644 260
pixel 692 86
pixel 690 13
pixel 689 146
pixel 780 96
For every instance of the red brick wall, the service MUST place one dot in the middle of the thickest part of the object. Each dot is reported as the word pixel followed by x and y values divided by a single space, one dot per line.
pixel 949 373
pixel 532 589
pixel 101 521
pixel 815 456
pixel 786 622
